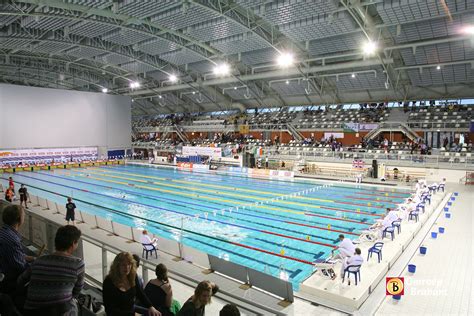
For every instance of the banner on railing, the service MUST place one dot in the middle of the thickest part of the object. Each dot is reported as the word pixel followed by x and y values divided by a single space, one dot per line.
pixel 328 135
pixel 56 154
pixel 367 126
pixel 214 152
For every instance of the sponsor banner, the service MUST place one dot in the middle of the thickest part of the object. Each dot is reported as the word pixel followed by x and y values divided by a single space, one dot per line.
pixel 57 154
pixel 258 172
pixel 200 168
pixel 185 165
pixel 281 174
pixel 214 152
pixel 351 127
pixel 328 135
pixel 367 126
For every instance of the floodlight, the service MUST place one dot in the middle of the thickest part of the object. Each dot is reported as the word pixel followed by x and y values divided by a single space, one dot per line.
pixel 369 48
pixel 285 59
pixel 222 69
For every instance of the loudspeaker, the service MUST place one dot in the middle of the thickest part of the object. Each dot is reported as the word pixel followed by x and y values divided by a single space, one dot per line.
pixel 375 169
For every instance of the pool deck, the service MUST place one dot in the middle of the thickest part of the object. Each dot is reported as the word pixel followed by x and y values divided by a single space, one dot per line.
pixel 340 296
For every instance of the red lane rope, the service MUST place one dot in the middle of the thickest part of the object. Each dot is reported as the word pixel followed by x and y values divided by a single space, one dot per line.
pixel 297 238
pixel 348 211
pixel 324 228
pixel 340 219
pixel 272 253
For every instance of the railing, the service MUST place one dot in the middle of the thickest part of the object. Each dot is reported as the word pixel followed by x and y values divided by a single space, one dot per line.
pixel 445 125
pixel 98 254
pixel 393 158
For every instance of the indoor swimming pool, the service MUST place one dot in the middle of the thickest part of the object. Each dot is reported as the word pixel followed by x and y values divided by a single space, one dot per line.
pixel 278 227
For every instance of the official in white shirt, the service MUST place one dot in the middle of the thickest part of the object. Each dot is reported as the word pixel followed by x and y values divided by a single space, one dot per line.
pixel 147 240
pixel 354 260
pixel 346 248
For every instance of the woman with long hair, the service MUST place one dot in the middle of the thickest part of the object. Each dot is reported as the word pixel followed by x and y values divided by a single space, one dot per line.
pixel 196 305
pixel 160 293
pixel 120 288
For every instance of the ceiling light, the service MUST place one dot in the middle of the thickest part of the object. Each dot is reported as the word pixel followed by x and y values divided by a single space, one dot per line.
pixel 173 78
pixel 353 75
pixel 438 67
pixel 105 90
pixel 134 84
pixel 285 59
pixel 369 48
pixel 160 96
pixel 194 92
pixel 222 69
pixel 468 30
pixel 287 82
pixel 235 88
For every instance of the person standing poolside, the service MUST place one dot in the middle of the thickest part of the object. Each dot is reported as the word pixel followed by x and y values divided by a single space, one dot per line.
pixel 70 211
pixel 11 184
pixel 23 195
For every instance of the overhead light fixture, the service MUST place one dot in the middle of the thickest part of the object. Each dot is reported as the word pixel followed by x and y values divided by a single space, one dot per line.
pixel 105 90
pixel 287 82
pixel 353 75
pixel 438 67
pixel 134 84
pixel 222 69
pixel 160 96
pixel 173 78
pixel 285 59
pixel 468 30
pixel 369 48
pixel 235 88
pixel 194 92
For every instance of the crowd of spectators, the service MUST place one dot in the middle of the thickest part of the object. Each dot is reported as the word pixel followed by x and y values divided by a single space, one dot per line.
pixel 51 284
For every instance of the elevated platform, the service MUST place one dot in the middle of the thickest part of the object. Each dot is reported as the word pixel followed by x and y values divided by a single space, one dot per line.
pixel 340 296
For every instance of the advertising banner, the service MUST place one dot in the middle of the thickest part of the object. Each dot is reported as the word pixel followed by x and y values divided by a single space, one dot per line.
pixel 56 154
pixel 214 152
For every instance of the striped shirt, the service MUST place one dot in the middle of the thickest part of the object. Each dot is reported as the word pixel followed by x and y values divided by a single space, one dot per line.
pixel 54 279
pixel 12 255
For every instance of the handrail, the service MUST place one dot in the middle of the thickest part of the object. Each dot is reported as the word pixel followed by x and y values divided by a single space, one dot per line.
pixel 393 158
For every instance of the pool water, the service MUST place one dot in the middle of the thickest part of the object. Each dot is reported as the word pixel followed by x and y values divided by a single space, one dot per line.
pixel 277 227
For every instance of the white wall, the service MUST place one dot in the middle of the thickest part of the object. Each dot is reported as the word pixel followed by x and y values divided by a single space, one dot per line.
pixel 39 117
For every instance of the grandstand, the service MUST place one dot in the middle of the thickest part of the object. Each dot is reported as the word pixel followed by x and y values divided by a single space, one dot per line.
pixel 244 137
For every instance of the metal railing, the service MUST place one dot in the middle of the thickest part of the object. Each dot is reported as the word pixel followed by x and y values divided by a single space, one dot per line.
pixel 393 158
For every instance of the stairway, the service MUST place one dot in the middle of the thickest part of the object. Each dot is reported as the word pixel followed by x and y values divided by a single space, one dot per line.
pixel 180 134
pixel 393 127
pixel 294 132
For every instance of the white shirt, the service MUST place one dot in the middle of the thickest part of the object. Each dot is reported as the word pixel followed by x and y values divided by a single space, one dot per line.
pixel 145 239
pixel 355 260
pixel 386 223
pixel 392 216
pixel 347 245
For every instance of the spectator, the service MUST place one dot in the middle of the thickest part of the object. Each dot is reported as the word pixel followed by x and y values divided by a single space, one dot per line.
pixel 23 192
pixel 196 305
pixel 137 262
pixel 148 241
pixel 13 260
pixel 120 288
pixel 229 310
pixel 70 211
pixel 9 194
pixel 55 279
pixel 160 293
